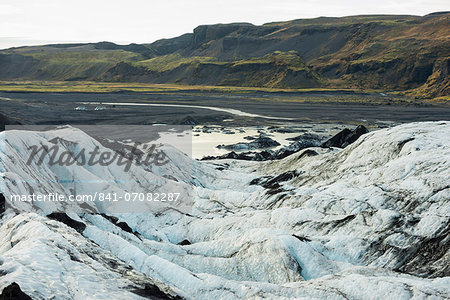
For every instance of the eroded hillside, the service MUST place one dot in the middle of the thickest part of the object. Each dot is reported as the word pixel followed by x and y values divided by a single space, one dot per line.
pixel 364 52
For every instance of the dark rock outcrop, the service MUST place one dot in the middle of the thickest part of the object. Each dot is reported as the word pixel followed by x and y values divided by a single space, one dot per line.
pixel 184 243
pixel 270 154
pixel 274 182
pixel 232 155
pixel 305 136
pixel 309 140
pixel 151 291
pixel 64 218
pixel 2 203
pixel 259 143
pixel 13 292
pixel 345 137
pixel 122 225
pixel 301 238
pixel 261 156
pixel 295 147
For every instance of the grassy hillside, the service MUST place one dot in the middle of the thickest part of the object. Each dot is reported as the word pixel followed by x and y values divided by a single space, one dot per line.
pixel 396 53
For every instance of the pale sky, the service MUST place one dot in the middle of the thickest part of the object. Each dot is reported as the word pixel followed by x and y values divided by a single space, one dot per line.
pixel 34 22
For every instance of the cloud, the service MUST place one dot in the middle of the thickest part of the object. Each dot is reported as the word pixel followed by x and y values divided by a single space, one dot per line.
pixel 145 21
pixel 8 9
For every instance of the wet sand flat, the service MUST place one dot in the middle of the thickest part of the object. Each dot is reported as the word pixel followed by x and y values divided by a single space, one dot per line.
pixel 59 108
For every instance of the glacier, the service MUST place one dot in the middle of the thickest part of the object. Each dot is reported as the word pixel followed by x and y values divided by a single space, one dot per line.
pixel 370 221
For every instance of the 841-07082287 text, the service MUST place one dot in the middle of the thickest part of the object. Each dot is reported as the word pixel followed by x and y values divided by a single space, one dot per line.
pixel 141 197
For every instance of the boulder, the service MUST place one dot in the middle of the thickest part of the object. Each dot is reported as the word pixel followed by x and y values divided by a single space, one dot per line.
pixel 345 137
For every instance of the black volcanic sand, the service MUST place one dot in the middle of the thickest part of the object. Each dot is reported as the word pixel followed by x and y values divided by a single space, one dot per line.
pixel 59 108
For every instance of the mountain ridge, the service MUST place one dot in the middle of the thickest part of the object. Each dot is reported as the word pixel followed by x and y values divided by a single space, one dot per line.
pixel 389 52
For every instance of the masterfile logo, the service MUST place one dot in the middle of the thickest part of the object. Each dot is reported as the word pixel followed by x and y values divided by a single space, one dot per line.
pixel 145 155
pixel 116 169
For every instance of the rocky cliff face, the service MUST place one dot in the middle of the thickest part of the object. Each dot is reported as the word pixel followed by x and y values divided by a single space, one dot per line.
pixel 438 83
pixel 365 52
